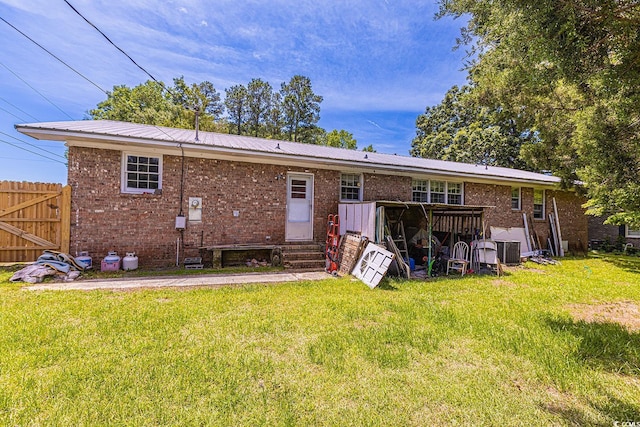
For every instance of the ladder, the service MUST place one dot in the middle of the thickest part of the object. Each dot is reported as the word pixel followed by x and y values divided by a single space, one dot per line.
pixel 399 238
pixel 397 243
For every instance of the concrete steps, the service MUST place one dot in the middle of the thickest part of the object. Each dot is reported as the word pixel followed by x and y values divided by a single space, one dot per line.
pixel 303 256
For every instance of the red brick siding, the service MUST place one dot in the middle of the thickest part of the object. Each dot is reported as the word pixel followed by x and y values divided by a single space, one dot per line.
pixel 598 230
pixel 104 219
pixel 573 222
pixel 386 187
pixel 326 196
pixel 498 196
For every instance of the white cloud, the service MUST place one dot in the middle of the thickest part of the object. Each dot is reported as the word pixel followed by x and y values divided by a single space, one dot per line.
pixel 39 7
pixel 363 57
pixel 374 124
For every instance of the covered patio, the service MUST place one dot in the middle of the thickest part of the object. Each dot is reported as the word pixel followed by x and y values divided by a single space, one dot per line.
pixel 401 226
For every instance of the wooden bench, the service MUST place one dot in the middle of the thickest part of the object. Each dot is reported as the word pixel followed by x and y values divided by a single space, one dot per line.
pixel 275 256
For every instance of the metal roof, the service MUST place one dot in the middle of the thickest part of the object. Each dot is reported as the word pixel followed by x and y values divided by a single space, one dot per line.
pixel 114 131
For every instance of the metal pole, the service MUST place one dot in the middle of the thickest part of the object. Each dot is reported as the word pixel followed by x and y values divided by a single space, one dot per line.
pixel 178 252
pixel 430 262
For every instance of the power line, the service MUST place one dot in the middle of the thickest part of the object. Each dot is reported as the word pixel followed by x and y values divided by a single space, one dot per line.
pixel 23 159
pixel 160 83
pixel 9 112
pixel 114 45
pixel 36 90
pixel 32 145
pixel 49 52
pixel 19 109
pixel 32 152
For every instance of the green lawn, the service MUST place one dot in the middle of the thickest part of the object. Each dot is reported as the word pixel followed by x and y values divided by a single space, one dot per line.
pixel 472 351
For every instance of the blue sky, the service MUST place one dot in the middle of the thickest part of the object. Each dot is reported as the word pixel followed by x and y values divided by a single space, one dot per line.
pixel 377 63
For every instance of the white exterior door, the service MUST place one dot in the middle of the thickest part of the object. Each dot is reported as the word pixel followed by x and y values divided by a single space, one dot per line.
pixel 372 265
pixel 299 207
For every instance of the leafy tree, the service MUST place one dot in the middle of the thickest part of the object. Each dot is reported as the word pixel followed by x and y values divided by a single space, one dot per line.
pixel 236 101
pixel 369 149
pixel 459 130
pixel 146 103
pixel 259 97
pixel 210 98
pixel 154 103
pixel 274 122
pixel 314 135
pixel 570 71
pixel 300 108
pixel 255 109
pixel 202 97
pixel 341 139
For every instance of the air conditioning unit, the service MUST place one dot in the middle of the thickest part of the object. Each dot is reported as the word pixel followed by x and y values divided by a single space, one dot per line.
pixel 509 252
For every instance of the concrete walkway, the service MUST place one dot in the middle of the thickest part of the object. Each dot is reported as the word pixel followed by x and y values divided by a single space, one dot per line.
pixel 215 280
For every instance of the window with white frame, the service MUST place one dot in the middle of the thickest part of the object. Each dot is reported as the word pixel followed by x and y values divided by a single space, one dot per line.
pixel 425 191
pixel 420 189
pixel 141 173
pixel 515 198
pixel 538 204
pixel 438 191
pixel 454 193
pixel 634 234
pixel 350 187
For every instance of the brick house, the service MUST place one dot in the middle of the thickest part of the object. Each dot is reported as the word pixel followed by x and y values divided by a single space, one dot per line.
pixel 601 233
pixel 130 182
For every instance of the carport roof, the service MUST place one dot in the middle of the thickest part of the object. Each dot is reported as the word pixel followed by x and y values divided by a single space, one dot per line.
pixel 430 206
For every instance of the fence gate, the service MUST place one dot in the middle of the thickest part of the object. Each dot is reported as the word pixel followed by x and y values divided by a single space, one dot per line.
pixel 33 217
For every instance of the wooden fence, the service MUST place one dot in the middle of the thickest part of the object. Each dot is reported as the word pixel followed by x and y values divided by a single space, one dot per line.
pixel 33 217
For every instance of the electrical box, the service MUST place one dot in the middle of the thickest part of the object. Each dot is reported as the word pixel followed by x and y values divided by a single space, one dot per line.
pixel 181 222
pixel 195 209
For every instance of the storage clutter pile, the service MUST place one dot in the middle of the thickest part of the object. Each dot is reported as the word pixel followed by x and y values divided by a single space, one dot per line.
pixel 253 262
pixel 59 265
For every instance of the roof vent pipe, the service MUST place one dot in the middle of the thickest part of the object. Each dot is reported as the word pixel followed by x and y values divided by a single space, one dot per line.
pixel 197 110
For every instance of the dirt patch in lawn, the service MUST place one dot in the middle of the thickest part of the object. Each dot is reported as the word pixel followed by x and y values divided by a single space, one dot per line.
pixel 625 313
pixel 500 282
pixel 570 409
pixel 526 268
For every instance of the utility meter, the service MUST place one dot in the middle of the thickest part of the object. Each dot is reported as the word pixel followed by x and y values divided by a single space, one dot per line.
pixel 195 208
